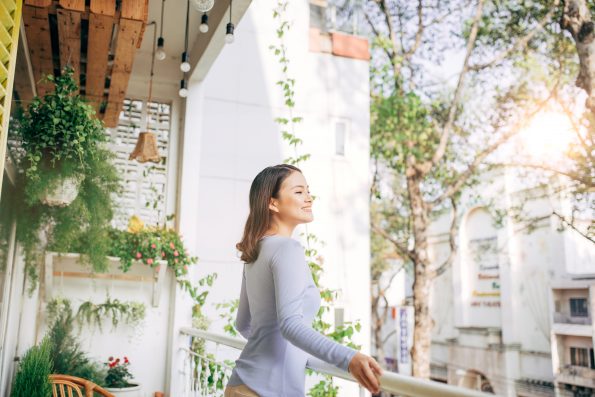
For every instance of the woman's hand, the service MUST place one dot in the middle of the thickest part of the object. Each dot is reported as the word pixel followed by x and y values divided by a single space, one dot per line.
pixel 366 371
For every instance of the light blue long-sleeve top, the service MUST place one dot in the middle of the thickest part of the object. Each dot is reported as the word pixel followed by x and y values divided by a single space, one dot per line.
pixel 278 302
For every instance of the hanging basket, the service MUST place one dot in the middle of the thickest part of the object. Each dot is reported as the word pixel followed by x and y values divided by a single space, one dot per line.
pixel 64 193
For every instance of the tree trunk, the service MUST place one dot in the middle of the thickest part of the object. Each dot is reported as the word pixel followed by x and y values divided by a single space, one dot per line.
pixel 422 333
pixel 577 20
pixel 378 321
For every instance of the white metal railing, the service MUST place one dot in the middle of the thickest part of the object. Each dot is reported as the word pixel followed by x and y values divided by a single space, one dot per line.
pixel 200 378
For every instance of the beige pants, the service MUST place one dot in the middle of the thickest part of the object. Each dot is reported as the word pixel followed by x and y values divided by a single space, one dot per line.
pixel 239 391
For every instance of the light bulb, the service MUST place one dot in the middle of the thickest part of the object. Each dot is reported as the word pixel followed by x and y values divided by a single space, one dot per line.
pixel 204 23
pixel 229 33
pixel 203 5
pixel 183 90
pixel 160 54
pixel 185 67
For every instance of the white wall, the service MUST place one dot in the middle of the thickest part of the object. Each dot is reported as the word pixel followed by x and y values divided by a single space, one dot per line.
pixel 238 138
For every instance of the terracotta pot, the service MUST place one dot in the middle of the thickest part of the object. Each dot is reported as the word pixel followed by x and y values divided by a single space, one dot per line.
pixel 132 391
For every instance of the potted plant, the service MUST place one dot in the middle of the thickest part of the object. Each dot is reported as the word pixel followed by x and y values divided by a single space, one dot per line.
pixel 32 378
pixel 118 378
pixel 67 178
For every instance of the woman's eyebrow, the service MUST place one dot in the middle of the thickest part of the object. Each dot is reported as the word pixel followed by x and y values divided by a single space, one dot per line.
pixel 300 186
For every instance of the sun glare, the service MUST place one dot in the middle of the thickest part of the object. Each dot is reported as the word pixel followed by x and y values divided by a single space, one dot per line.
pixel 547 137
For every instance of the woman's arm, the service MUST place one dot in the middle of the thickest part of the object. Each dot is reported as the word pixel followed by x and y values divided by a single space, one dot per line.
pixel 290 275
pixel 243 316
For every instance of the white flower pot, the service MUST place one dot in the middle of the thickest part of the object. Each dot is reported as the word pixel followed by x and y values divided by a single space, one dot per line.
pixel 64 193
pixel 132 391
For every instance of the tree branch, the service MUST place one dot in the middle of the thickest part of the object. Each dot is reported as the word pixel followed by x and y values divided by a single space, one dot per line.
pixel 403 251
pixel 445 135
pixel 571 225
pixel 574 176
pixel 521 42
pixel 418 34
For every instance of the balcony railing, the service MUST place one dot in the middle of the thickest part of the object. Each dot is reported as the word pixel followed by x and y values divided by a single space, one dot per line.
pixel 205 371
pixel 564 318
pixel 576 375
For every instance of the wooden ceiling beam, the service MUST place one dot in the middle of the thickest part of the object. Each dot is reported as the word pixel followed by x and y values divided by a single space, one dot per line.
pixel 37 27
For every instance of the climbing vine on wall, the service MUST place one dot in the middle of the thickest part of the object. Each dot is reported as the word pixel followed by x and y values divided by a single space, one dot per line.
pixel 342 333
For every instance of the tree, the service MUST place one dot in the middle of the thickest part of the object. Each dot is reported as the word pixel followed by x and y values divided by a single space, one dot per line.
pixel 430 139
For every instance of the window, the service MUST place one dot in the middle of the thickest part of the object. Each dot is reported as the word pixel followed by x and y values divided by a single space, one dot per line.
pixel 579 356
pixel 144 185
pixel 578 307
pixel 340 137
pixel 592 357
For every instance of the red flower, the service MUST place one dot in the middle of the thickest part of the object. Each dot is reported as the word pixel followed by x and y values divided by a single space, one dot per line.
pixel 110 358
pixel 171 245
pixel 176 253
pixel 162 254
pixel 153 246
pixel 149 261
pixel 139 255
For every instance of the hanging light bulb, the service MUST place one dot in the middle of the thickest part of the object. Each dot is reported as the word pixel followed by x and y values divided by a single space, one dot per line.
pixel 185 65
pixel 160 54
pixel 183 89
pixel 203 5
pixel 229 33
pixel 204 23
pixel 229 29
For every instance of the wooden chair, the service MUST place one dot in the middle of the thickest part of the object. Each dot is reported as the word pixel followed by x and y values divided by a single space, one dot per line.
pixel 70 386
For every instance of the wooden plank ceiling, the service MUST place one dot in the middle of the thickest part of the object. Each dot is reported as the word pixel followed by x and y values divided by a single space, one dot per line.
pixel 98 39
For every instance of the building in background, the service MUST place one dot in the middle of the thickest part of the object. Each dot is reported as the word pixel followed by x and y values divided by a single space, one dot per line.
pixel 513 315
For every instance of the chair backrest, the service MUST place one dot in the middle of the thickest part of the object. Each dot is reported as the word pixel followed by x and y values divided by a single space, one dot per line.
pixel 67 382
pixel 64 388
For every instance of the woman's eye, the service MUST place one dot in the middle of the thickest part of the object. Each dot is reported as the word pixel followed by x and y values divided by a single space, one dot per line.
pixel 299 192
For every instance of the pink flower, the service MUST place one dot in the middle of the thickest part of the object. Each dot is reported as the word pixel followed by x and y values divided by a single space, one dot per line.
pixel 171 245
pixel 153 246
pixel 162 254
pixel 186 268
pixel 176 260
pixel 176 253
pixel 150 261
pixel 139 255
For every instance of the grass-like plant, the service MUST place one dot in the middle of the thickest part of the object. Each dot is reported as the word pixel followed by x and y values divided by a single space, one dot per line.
pixel 32 377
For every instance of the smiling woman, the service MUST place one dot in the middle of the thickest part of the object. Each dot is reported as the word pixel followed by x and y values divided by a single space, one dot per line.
pixel 279 299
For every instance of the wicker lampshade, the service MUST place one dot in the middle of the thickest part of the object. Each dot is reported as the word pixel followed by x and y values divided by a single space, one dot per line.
pixel 146 149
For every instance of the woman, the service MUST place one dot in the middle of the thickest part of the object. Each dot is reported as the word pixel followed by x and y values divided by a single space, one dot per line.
pixel 278 298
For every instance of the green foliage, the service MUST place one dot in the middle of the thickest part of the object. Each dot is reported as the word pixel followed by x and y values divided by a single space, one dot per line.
pixel 229 310
pixel 60 137
pixel 324 388
pixel 118 374
pixel 32 377
pixel 66 354
pixel 131 313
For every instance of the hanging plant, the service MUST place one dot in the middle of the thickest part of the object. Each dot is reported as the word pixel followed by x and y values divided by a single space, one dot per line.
pixel 93 314
pixel 59 147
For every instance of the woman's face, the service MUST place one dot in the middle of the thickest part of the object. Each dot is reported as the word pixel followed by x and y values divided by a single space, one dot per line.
pixel 294 203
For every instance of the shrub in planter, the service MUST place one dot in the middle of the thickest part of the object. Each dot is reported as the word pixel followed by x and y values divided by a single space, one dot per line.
pixel 58 139
pixel 66 353
pixel 32 378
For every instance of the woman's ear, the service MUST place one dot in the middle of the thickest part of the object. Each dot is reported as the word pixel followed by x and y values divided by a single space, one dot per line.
pixel 273 205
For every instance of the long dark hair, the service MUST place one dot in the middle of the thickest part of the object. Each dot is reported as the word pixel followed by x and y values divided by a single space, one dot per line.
pixel 265 186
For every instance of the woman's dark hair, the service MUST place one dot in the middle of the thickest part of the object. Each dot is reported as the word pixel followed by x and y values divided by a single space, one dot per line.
pixel 265 186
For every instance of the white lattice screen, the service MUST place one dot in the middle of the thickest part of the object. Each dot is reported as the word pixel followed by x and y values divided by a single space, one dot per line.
pixel 144 184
